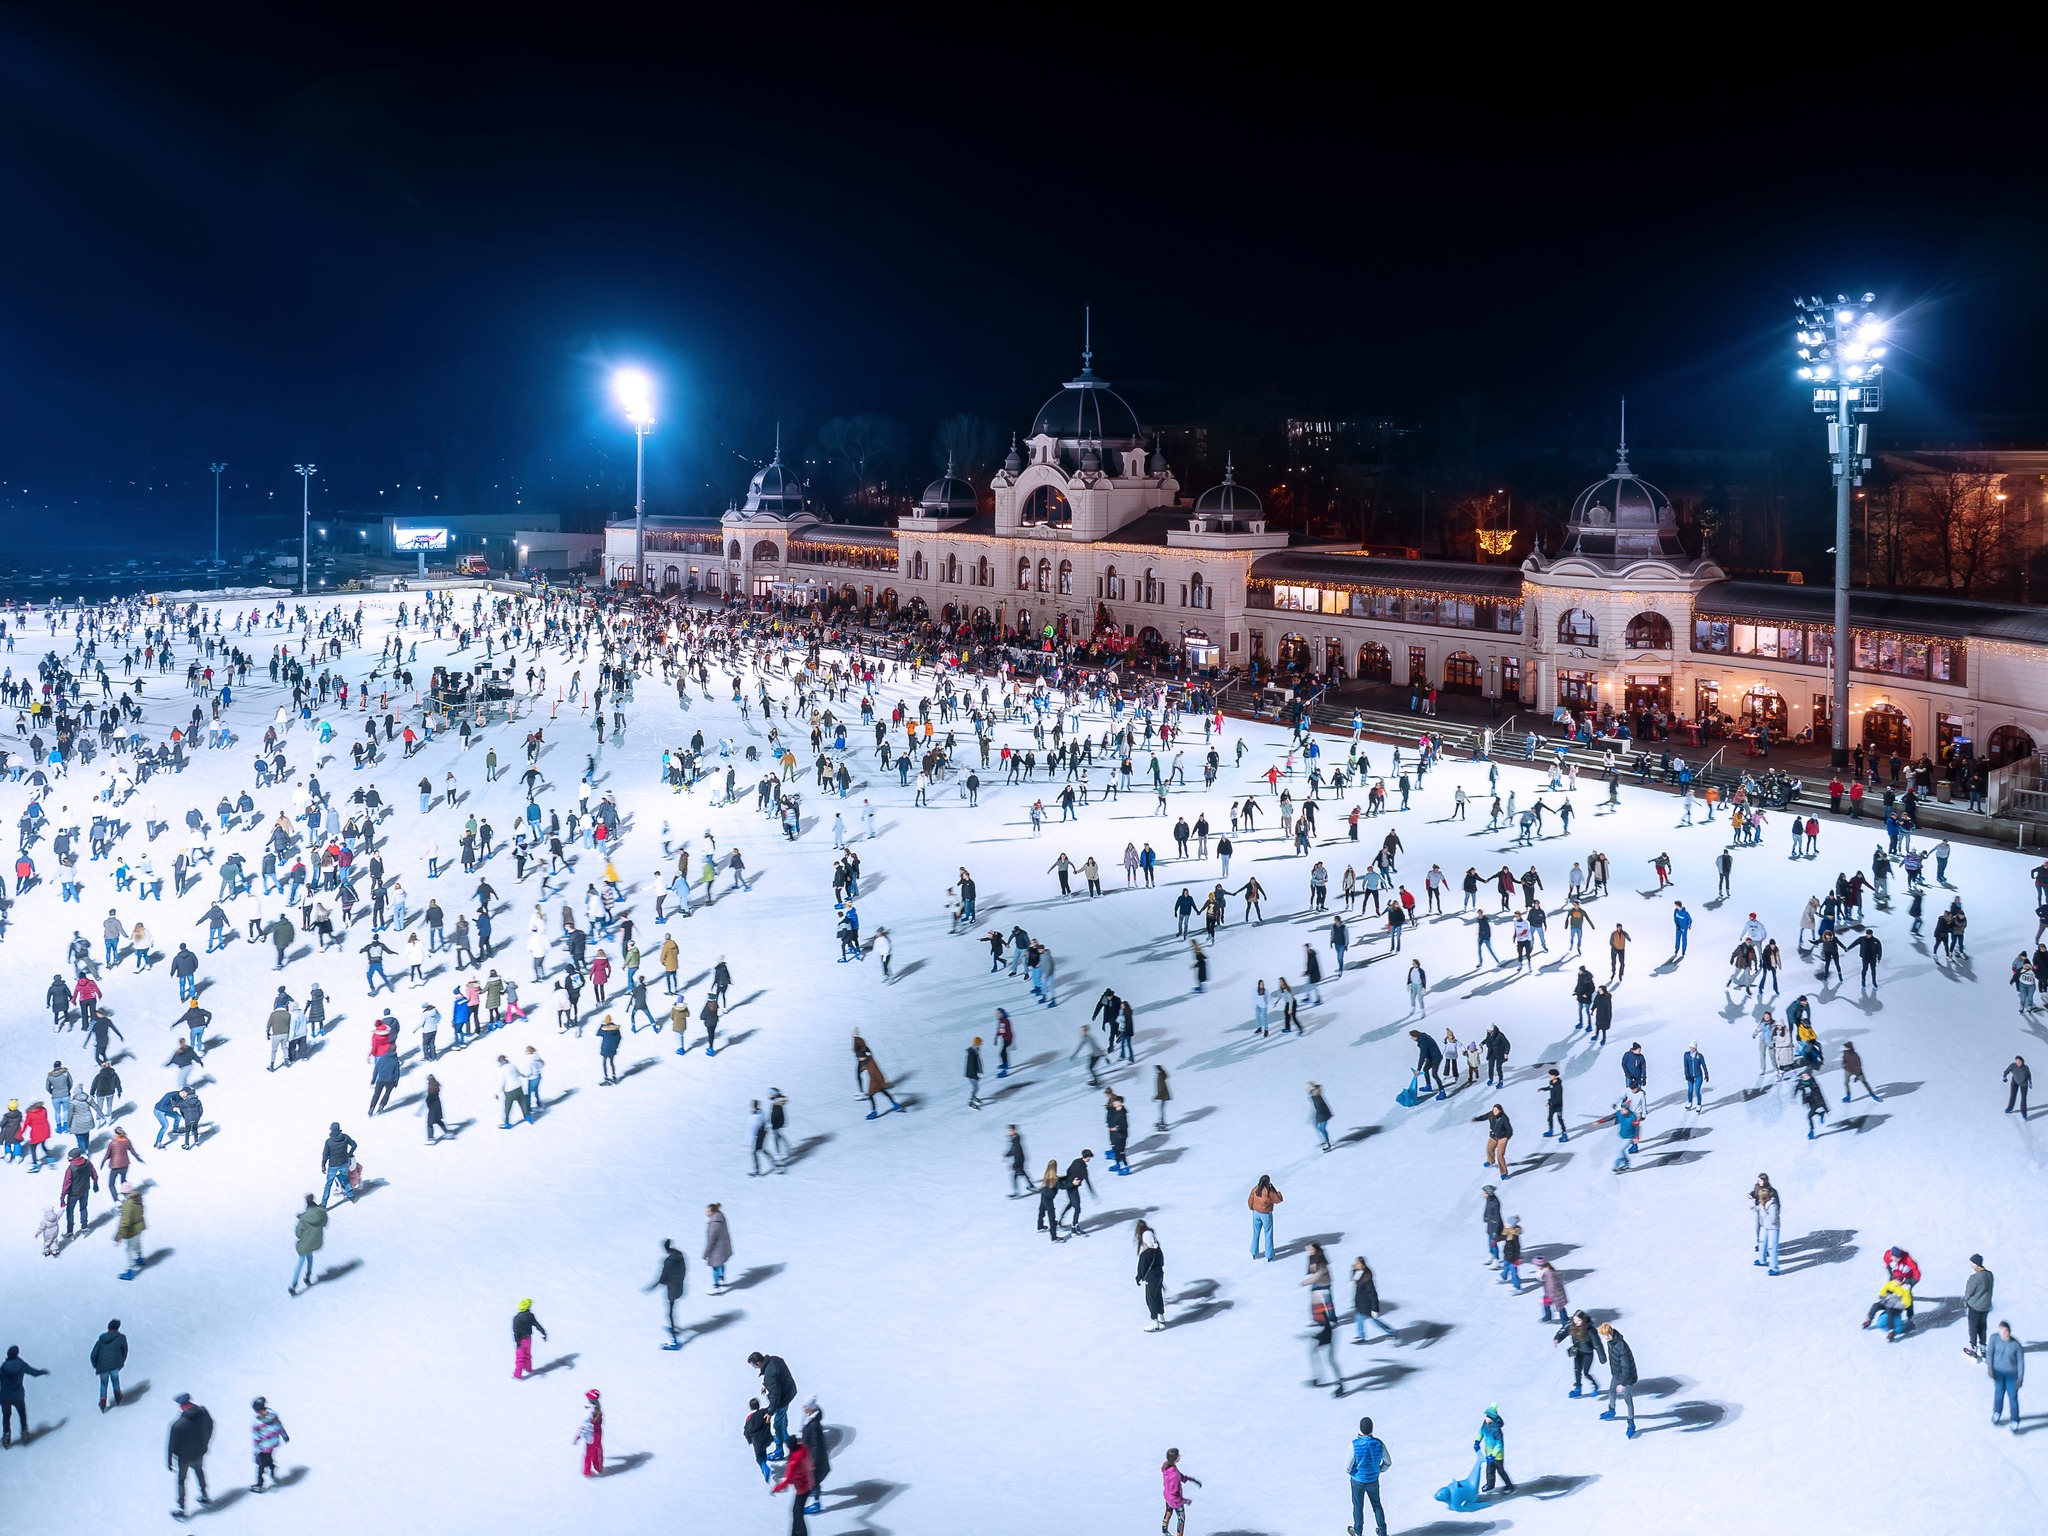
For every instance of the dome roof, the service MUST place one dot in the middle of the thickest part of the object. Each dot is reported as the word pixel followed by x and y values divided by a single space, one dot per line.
pixel 1087 410
pixel 1229 500
pixel 949 496
pixel 775 490
pixel 1623 518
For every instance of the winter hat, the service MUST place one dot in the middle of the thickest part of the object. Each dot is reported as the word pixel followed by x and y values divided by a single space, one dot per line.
pixel 1977 1258
pixel 525 1303
pixel 590 1396
pixel 1486 1189
pixel 183 1399
pixel 811 1405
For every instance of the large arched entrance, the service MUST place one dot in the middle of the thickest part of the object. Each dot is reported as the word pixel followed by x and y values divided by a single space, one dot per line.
pixel 2007 744
pixel 1294 654
pixel 1765 707
pixel 1461 673
pixel 1375 664
pixel 1886 728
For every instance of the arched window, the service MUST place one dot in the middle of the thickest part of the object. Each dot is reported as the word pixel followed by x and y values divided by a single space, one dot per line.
pixel 1375 665
pixel 1045 575
pixel 1461 673
pixel 984 574
pixel 1112 588
pixel 1577 627
pixel 2008 744
pixel 1886 728
pixel 917 566
pixel 1047 504
pixel 1024 575
pixel 1066 578
pixel 1649 632
pixel 1155 590
pixel 733 551
pixel 766 550
pixel 1198 595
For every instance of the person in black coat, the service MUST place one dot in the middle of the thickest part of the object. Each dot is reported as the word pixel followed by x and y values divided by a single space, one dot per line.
pixel 759 1435
pixel 1152 1276
pixel 779 1387
pixel 191 1433
pixel 13 1400
pixel 1429 1058
pixel 813 1436
pixel 673 1280
pixel 109 1354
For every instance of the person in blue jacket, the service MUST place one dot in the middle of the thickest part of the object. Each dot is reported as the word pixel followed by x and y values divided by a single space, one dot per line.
pixel 2006 1360
pixel 1492 1447
pixel 1681 925
pixel 1369 1458
pixel 1695 1079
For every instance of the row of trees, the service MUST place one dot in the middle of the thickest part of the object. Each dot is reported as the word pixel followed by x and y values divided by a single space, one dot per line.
pixel 1947 526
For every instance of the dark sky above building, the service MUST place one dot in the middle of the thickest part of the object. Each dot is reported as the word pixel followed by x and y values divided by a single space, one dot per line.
pixel 411 249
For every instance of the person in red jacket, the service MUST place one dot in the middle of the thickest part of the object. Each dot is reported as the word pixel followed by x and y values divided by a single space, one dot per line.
pixel 35 1130
pixel 796 1475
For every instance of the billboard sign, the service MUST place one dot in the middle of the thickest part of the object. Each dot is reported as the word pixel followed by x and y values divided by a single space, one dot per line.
pixel 423 540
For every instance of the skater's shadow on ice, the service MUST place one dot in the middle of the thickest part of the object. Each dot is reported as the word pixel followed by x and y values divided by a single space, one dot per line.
pixel 631 1462
pixel 1550 1486
pixel 870 1495
pixel 292 1478
pixel 640 1066
pixel 339 1271
pixel 1378 1376
pixel 1858 1124
pixel 559 1363
pixel 135 1391
pixel 806 1147
pixel 1422 1335
pixel 1300 1244
pixel 1199 1302
pixel 1689 1417
pixel 1118 1217
pixel 691 1332
pixel 749 1278
pixel 1453 1528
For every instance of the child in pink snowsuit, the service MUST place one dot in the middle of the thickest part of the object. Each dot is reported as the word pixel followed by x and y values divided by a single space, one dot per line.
pixel 591 1435
pixel 1174 1483
pixel 524 1325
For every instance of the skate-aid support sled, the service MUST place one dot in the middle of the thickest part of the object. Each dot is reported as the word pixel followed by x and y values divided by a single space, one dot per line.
pixel 1409 1097
pixel 1464 1493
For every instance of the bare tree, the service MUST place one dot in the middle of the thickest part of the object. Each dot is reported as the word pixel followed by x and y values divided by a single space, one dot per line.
pixel 973 445
pixel 1961 526
pixel 863 450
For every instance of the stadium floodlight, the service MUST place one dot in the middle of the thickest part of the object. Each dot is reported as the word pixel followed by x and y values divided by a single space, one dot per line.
pixel 634 391
pixel 305 472
pixel 1841 348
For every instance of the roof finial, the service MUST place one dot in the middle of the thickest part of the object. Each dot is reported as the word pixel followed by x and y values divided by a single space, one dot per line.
pixel 1087 340
pixel 949 463
pixel 1621 460
pixel 1229 467
pixel 778 442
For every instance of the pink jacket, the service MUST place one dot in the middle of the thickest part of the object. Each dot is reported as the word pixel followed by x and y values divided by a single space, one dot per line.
pixel 1169 1479
pixel 1553 1287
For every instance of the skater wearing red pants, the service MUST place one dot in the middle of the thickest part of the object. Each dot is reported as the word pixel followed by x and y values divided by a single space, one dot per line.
pixel 524 1323
pixel 591 1436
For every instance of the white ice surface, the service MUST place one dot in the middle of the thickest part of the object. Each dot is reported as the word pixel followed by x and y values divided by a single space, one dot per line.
pixel 980 1378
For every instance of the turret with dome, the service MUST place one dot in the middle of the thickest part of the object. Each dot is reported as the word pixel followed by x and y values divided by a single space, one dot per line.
pixel 1622 523
pixel 775 491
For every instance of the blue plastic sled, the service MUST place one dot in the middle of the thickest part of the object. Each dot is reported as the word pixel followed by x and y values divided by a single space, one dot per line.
pixel 1464 1493
pixel 1408 1098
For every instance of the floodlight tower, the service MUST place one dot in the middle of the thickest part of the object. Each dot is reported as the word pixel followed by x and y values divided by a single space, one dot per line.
pixel 218 469
pixel 305 472
pixel 635 392
pixel 1841 347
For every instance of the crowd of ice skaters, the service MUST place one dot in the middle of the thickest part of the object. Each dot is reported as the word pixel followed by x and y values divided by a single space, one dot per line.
pixel 103 718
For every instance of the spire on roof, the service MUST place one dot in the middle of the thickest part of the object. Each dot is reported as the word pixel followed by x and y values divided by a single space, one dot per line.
pixel 1621 458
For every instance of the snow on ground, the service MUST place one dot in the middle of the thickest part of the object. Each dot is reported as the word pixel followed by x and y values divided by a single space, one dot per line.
pixel 977 1376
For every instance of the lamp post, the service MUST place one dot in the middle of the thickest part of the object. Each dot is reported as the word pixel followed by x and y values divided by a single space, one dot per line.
pixel 305 472
pixel 217 469
pixel 635 392
pixel 1840 347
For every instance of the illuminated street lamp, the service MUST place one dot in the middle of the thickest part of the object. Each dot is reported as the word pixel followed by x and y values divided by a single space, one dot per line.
pixel 635 393
pixel 305 472
pixel 1841 352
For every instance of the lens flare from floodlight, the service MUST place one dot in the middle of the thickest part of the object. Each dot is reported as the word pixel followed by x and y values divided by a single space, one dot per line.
pixel 635 393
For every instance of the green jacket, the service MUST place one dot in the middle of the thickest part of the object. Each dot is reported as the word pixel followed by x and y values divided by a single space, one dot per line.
pixel 312 1229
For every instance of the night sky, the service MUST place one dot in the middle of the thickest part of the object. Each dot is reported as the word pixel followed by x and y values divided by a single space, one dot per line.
pixel 411 251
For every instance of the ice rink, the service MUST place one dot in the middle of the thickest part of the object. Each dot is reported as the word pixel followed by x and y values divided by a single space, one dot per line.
pixel 977 1377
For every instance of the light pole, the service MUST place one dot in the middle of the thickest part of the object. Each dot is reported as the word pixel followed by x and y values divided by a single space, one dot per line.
pixel 217 469
pixel 635 392
pixel 305 473
pixel 1840 347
